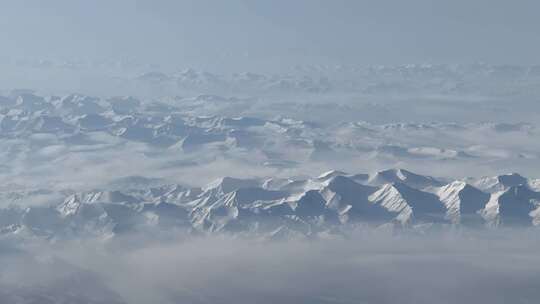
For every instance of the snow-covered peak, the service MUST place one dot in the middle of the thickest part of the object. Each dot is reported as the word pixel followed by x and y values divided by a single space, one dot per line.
pixel 463 202
pixel 500 182
pixel 402 176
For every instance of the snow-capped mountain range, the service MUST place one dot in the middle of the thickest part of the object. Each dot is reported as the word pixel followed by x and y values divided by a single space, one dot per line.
pixel 328 204
pixel 495 79
pixel 34 126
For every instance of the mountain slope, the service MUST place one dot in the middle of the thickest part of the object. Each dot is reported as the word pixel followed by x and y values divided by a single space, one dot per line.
pixel 330 203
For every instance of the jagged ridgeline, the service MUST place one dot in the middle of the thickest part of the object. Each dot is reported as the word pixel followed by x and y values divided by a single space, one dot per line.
pixel 331 204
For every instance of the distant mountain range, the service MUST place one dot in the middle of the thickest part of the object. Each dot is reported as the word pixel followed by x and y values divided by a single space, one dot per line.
pixel 175 124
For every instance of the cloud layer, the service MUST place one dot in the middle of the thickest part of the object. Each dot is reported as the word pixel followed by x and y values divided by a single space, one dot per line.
pixel 370 267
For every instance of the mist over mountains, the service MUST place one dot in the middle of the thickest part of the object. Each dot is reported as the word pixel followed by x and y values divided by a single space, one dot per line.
pixel 322 185
pixel 306 152
pixel 82 164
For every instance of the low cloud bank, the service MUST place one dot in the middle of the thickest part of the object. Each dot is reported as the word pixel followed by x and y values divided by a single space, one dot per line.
pixel 371 267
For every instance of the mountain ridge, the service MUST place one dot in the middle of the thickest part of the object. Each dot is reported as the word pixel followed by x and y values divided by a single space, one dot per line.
pixel 333 200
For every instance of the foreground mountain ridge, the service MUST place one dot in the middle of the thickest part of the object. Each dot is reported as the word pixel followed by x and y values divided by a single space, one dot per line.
pixel 332 202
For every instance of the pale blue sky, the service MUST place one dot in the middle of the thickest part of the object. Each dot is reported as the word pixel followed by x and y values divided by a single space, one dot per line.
pixel 244 34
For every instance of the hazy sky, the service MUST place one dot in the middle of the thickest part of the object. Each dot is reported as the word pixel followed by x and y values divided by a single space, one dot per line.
pixel 242 33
